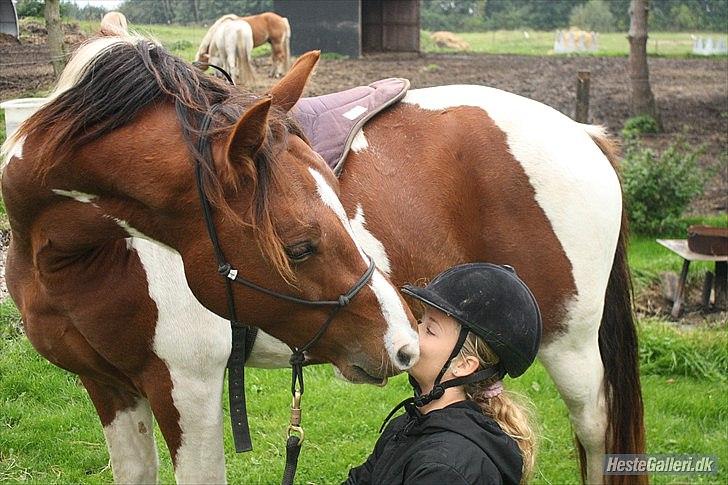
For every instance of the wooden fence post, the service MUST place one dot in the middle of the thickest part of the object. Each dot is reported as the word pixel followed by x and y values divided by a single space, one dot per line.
pixel 582 96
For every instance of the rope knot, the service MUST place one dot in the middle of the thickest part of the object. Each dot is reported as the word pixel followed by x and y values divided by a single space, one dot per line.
pixel 344 300
pixel 224 269
pixel 297 359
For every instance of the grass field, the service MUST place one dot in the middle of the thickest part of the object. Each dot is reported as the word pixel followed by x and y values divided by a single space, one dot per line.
pixel 184 40
pixel 539 43
pixel 50 432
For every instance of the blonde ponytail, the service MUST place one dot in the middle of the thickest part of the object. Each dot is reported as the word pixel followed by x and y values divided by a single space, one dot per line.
pixel 512 412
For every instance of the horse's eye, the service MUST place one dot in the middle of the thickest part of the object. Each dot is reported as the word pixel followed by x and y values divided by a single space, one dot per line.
pixel 300 252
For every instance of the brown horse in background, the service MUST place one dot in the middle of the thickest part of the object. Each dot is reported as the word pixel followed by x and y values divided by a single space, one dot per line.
pixel 267 27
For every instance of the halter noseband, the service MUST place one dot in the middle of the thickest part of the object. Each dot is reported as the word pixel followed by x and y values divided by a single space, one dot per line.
pixel 241 432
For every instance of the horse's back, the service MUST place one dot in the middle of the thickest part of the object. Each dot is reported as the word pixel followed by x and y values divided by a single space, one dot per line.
pixel 463 173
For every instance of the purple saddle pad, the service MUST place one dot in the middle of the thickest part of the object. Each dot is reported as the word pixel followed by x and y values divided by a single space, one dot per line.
pixel 330 122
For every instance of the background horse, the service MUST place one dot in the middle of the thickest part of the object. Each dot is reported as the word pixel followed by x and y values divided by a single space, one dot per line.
pixel 267 27
pixel 109 253
pixel 113 23
pixel 454 174
pixel 231 48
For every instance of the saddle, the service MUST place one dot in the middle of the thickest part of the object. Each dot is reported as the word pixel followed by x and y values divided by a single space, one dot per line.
pixel 330 122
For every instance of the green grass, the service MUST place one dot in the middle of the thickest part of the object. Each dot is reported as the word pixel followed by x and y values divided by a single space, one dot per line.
pixel 540 43
pixel 184 40
pixel 50 432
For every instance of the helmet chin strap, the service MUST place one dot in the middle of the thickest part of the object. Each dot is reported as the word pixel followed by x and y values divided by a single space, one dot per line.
pixel 438 389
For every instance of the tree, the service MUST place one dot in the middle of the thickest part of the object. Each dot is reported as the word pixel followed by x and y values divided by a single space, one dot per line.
pixel 643 101
pixel 52 13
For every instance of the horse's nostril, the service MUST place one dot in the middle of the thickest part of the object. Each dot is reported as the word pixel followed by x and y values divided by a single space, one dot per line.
pixel 405 355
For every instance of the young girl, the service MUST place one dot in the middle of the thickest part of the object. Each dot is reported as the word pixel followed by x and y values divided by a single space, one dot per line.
pixel 481 322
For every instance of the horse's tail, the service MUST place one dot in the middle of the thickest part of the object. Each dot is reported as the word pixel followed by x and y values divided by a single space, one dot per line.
pixel 618 346
pixel 245 53
pixel 287 45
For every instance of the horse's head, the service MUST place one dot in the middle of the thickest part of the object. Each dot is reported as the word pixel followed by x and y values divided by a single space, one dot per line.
pixel 128 134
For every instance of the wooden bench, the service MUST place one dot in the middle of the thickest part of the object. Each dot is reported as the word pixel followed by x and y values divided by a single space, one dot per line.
pixel 718 282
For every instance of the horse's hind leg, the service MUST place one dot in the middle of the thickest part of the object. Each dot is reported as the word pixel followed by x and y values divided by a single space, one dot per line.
pixel 574 363
pixel 129 432
pixel 247 65
pixel 279 58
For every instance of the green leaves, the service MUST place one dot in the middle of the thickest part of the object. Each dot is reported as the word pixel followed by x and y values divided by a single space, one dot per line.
pixel 659 187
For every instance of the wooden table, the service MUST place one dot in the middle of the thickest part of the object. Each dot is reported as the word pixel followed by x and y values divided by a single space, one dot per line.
pixel 719 283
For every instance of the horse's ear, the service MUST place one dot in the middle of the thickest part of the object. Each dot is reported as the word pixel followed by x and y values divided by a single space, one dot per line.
pixel 289 89
pixel 249 132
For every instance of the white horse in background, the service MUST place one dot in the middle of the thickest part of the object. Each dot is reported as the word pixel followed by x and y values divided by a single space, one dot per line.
pixel 114 23
pixel 231 48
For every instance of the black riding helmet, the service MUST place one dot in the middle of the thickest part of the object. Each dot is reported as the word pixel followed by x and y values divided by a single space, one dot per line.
pixel 492 302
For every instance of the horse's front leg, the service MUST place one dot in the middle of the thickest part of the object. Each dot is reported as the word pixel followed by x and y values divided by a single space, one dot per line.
pixel 129 432
pixel 187 403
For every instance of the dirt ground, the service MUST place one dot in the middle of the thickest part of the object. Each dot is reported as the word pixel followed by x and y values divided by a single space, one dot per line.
pixel 692 94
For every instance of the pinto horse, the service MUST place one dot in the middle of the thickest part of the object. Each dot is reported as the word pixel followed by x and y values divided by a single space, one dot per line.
pixel 454 174
pixel 267 27
pixel 112 269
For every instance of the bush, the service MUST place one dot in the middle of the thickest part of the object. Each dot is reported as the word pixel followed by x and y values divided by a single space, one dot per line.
pixel 593 15
pixel 638 125
pixel 30 8
pixel 658 188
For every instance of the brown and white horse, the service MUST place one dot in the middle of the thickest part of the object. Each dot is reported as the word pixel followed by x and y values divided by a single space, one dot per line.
pixel 454 174
pixel 114 274
pixel 267 27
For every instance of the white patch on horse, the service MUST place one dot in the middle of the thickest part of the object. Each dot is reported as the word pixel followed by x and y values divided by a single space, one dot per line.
pixel 359 143
pixel 195 344
pixel 130 440
pixel 399 333
pixel 372 246
pixel 76 195
pixel 269 353
pixel 14 149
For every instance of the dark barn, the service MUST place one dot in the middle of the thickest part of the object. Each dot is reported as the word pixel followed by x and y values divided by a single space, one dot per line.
pixel 352 27
pixel 8 18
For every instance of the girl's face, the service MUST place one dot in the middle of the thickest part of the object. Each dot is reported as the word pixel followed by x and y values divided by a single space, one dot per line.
pixel 438 336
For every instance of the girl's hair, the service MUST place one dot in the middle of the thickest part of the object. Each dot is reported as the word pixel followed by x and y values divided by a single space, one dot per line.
pixel 515 418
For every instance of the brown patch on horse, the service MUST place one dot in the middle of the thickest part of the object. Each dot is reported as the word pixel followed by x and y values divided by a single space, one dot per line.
pixel 434 204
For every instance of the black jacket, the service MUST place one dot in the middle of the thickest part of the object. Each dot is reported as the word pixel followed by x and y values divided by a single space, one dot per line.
pixel 454 445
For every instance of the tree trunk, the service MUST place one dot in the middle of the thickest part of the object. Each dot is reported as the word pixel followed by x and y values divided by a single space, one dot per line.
pixel 52 13
pixel 643 101
pixel 196 11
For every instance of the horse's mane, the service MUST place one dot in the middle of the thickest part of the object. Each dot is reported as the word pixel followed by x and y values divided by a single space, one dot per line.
pixel 110 80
